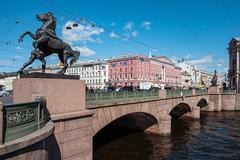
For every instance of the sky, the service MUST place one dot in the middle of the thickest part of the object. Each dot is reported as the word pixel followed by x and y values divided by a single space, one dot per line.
pixel 197 31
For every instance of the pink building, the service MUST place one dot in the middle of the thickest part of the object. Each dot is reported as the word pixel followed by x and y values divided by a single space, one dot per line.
pixel 133 69
pixel 164 72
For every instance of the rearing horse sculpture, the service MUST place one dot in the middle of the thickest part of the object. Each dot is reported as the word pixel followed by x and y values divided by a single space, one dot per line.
pixel 46 43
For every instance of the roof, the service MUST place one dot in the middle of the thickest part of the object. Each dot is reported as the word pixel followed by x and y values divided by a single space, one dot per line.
pixel 163 59
pixel 234 39
pixel 128 57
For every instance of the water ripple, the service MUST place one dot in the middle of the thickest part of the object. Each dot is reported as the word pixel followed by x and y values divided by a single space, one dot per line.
pixel 215 136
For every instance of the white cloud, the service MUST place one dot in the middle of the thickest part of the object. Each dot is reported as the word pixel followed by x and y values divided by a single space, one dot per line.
pixel 203 60
pixel 188 56
pixel 5 62
pixel 19 57
pixel 81 33
pixel 85 51
pixel 146 25
pixel 129 25
pixel 113 24
pixel 19 47
pixel 113 35
pixel 135 33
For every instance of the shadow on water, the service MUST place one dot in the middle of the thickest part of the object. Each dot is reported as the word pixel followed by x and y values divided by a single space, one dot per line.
pixel 110 134
pixel 123 126
pixel 215 136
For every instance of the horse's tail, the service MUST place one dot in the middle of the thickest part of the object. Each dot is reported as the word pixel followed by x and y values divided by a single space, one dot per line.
pixel 76 55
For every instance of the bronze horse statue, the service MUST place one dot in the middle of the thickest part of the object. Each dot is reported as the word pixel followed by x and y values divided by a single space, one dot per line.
pixel 46 43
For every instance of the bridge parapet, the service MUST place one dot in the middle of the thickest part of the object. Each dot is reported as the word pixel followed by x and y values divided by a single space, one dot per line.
pixel 109 98
pixel 21 119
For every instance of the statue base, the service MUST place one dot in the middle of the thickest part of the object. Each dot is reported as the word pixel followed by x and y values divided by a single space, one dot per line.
pixel 66 107
pixel 214 90
pixel 48 75
pixel 63 93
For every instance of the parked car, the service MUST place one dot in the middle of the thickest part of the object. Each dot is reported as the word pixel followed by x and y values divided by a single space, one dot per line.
pixel 3 93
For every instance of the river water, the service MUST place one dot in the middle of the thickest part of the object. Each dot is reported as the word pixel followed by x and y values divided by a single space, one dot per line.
pixel 215 136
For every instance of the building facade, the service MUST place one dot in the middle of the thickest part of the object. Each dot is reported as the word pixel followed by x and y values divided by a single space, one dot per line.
pixel 134 70
pixel 7 82
pixel 192 77
pixel 234 62
pixel 164 72
pixel 95 73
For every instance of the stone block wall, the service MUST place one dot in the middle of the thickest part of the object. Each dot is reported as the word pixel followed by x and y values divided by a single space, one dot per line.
pixel 228 102
pixel 74 137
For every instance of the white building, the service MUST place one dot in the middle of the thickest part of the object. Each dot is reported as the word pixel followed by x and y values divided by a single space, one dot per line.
pixel 95 73
pixel 7 82
pixel 193 77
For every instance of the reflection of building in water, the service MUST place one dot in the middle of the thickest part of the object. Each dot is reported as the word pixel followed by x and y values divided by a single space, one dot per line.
pixel 233 72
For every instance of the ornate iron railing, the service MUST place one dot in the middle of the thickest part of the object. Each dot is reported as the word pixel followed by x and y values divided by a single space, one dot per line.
pixel 105 98
pixel 201 92
pixel 22 119
pixel 228 91
pixel 178 93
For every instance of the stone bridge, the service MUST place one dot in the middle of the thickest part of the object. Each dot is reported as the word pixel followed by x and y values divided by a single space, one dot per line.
pixel 76 124
pixel 155 114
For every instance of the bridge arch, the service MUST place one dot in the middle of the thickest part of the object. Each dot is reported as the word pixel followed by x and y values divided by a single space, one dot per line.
pixel 202 103
pixel 122 126
pixel 179 110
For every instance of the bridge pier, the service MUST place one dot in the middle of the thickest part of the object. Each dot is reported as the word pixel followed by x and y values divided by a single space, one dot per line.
pixel 66 108
pixel 163 127
pixel 214 99
pixel 195 113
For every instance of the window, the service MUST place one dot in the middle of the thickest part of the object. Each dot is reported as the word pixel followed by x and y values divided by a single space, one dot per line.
pixel 124 63
pixel 131 69
pixel 104 80
pixel 110 70
pixel 131 76
pixel 125 69
pixel 120 69
pixel 113 65
pixel 105 73
pixel 103 67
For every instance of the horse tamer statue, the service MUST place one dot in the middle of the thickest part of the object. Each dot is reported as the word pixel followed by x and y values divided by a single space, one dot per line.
pixel 46 43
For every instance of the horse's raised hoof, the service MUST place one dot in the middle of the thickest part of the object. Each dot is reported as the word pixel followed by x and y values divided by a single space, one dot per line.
pixel 20 72
pixel 60 72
